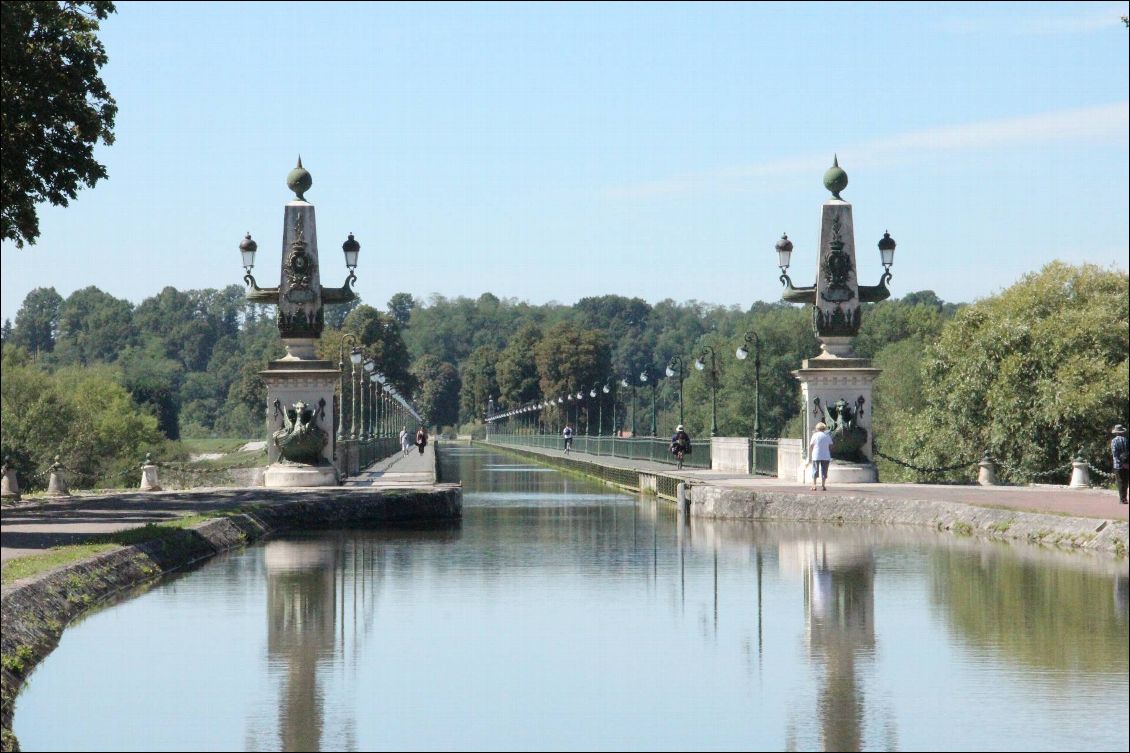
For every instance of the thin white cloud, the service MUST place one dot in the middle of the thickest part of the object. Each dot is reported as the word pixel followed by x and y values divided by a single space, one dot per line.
pixel 1100 124
pixel 1027 21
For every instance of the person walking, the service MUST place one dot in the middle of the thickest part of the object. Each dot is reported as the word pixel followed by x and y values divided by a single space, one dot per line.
pixel 1120 459
pixel 680 444
pixel 421 439
pixel 405 445
pixel 820 454
pixel 568 434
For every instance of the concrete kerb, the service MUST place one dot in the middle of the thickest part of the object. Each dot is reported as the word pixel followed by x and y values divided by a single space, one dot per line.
pixel 35 611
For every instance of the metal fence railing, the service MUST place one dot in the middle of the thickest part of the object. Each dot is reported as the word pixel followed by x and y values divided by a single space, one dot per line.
pixel 629 448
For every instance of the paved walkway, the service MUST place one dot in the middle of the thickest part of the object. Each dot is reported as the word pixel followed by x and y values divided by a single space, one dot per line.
pixel 1095 503
pixel 33 525
pixel 400 469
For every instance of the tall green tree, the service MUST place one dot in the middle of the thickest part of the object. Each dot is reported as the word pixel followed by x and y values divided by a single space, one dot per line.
pixel 56 107
pixel 37 321
pixel 93 326
pixel 438 395
pixel 517 371
pixel 1036 375
pixel 380 337
pixel 571 359
pixel 400 308
pixel 479 383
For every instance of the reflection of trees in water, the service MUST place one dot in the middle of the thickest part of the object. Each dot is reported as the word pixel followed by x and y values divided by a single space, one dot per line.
pixel 1046 617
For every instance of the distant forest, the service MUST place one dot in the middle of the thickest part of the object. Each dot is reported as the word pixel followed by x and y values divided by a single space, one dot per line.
pixel 189 360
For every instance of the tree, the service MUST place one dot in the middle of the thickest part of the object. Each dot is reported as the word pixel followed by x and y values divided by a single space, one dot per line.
pixel 1036 375
pixel 56 107
pixel 380 337
pixel 517 371
pixel 37 321
pixel 479 383
pixel 571 359
pixel 400 308
pixel 438 395
pixel 93 326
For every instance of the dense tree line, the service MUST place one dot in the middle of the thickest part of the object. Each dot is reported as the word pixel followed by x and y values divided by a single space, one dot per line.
pixel 1028 374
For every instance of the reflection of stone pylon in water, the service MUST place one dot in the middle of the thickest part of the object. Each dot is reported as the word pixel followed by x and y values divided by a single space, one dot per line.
pixel 301 611
pixel 839 600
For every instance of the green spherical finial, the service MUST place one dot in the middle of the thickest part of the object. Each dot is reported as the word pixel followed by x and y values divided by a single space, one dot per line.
pixel 299 180
pixel 835 180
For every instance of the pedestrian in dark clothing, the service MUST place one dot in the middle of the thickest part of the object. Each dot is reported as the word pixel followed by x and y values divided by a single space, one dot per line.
pixel 1120 459
pixel 421 439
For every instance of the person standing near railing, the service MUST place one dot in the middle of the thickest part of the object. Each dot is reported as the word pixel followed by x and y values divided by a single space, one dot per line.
pixel 1120 459
pixel 568 434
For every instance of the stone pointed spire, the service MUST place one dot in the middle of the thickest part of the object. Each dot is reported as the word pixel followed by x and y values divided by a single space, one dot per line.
pixel 299 180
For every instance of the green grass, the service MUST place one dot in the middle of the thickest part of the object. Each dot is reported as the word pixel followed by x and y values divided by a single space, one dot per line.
pixel 210 444
pixel 99 543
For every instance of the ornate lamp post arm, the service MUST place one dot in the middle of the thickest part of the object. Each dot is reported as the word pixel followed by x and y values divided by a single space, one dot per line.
pixel 701 365
pixel 752 338
pixel 676 362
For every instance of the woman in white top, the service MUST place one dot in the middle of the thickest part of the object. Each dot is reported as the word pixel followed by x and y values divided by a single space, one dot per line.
pixel 820 453
pixel 405 440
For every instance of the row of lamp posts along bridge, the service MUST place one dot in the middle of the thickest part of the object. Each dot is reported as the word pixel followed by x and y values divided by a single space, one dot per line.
pixel 836 385
pixel 706 361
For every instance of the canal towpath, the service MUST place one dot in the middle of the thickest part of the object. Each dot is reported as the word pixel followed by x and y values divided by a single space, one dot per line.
pixel 1058 500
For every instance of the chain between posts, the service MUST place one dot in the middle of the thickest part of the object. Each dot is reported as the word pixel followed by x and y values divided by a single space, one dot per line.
pixel 920 469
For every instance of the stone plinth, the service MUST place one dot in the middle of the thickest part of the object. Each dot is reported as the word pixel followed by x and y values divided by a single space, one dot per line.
pixel 831 379
pixel 289 381
pixel 730 454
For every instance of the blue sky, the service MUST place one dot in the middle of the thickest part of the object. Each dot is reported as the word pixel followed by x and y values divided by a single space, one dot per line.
pixel 550 152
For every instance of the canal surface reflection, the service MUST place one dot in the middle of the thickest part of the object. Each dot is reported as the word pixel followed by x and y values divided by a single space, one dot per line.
pixel 560 614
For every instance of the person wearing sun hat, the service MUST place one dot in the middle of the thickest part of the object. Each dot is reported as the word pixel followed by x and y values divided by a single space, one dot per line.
pixel 820 454
pixel 1120 459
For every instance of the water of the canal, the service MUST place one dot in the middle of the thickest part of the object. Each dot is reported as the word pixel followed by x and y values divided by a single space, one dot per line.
pixel 560 614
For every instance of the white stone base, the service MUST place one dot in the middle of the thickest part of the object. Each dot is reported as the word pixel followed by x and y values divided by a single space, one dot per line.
pixel 296 476
pixel 842 472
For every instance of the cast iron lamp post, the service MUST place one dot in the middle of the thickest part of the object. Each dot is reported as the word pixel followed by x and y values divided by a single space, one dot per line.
pixel 700 364
pixel 632 406
pixel 742 353
pixel 366 425
pixel 645 378
pixel 354 359
pixel 677 362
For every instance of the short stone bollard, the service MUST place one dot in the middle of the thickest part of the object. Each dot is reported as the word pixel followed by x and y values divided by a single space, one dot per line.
pixel 9 486
pixel 149 476
pixel 1080 476
pixel 987 475
pixel 56 484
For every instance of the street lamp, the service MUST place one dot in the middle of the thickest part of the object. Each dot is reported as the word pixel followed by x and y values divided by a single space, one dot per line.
pixel 646 379
pixel 742 353
pixel 676 362
pixel 354 359
pixel 700 364
pixel 632 418
pixel 370 364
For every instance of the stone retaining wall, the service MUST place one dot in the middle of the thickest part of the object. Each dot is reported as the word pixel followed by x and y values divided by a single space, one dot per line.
pixel 36 610
pixel 1094 534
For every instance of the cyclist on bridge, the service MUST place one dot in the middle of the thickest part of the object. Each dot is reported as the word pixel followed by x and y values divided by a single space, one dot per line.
pixel 680 444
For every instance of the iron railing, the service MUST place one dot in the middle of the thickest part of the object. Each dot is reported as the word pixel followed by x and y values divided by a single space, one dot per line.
pixel 629 448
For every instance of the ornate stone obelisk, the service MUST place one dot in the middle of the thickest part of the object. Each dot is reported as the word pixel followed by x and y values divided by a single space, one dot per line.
pixel 836 386
pixel 300 387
